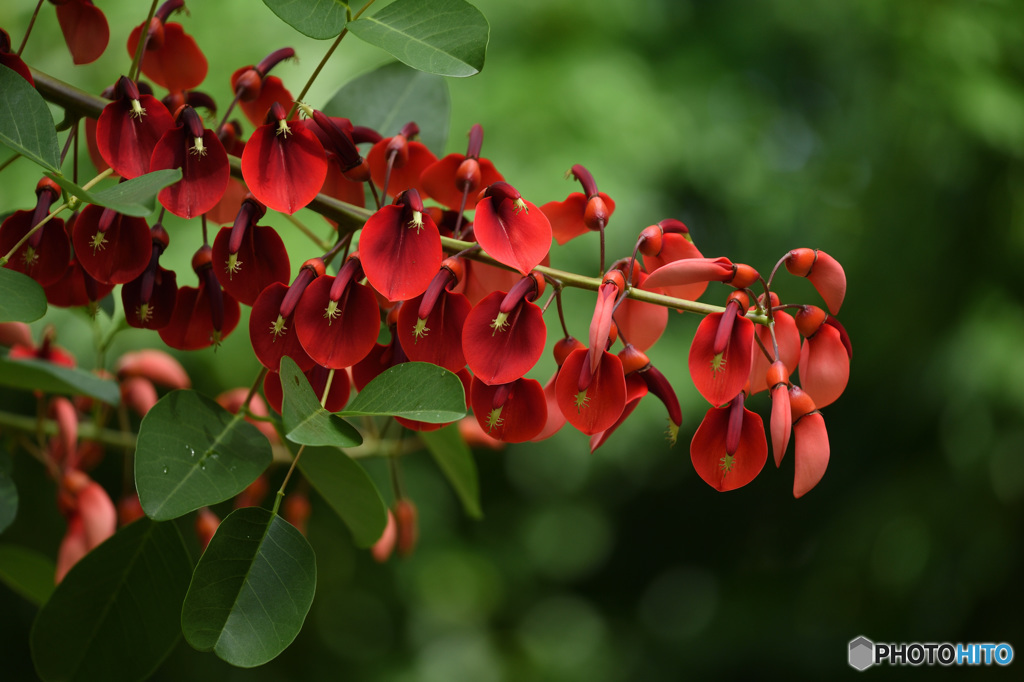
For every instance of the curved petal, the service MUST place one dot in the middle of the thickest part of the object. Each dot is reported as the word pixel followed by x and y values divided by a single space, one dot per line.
pixel 126 140
pixel 46 263
pixel 178 64
pixel 272 90
pixel 340 337
pixel 261 260
pixel 85 30
pixel 273 337
pixel 156 312
pixel 720 377
pixel 642 323
pixel 519 238
pixel 76 288
pixel 438 181
pixel 399 259
pixel 788 337
pixel 708 452
pixel 811 452
pixel 829 278
pixel 502 354
pixel 781 422
pixel 824 366
pixel 285 171
pixel 596 408
pixel 116 256
pixel 406 176
pixel 636 389
pixel 191 326
pixel 439 339
pixel 519 418
pixel 205 174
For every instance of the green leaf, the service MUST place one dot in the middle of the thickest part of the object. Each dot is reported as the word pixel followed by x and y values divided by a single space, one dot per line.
pixel 27 572
pixel 135 197
pixel 388 97
pixel 414 390
pixel 456 461
pixel 50 378
pixel 8 493
pixel 251 590
pixel 319 19
pixel 26 125
pixel 305 421
pixel 21 297
pixel 350 492
pixel 115 616
pixel 446 37
pixel 192 453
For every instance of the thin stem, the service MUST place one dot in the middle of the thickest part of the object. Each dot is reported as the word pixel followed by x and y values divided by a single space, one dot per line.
pixel 231 107
pixel 287 477
pixel 547 303
pixel 133 70
pixel 28 31
pixel 557 293
pixel 602 252
pixel 462 207
pixel 327 389
pixel 9 161
pixel 206 240
pixel 67 144
pixel 253 389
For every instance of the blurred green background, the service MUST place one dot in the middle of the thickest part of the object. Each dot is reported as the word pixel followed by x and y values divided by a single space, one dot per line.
pixel 890 135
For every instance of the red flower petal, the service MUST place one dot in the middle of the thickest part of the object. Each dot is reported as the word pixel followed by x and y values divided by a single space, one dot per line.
pixel 116 256
pixel 273 337
pixel 260 261
pixel 636 388
pixel 399 259
pixel 284 170
pixel 781 422
pixel 125 140
pixel 177 65
pixel 518 418
pixel 811 452
pixel 76 288
pixel 641 323
pixel 502 355
pixel 406 176
pixel 517 237
pixel 205 174
pixel 675 247
pixel 439 340
pixel 824 366
pixel 708 450
pixel 46 262
pixel 720 378
pixel 191 327
pixel 438 181
pixel 85 30
pixel 346 335
pixel 155 313
pixel 788 337
pixel 272 90
pixel 596 408
pixel 566 216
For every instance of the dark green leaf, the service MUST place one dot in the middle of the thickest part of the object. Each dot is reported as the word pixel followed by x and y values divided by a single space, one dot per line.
pixel 319 19
pixel 26 125
pixel 305 421
pixel 251 590
pixel 414 390
pixel 8 493
pixel 347 488
pixel 21 297
pixel 135 197
pixel 456 461
pixel 389 97
pixel 115 616
pixel 446 37
pixel 51 378
pixel 192 453
pixel 27 572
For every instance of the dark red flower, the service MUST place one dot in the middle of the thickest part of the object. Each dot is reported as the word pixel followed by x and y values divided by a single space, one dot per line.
pixel 271 323
pixel 256 92
pixel 729 448
pixel 11 60
pixel 430 325
pixel 171 57
pixel 400 248
pixel 504 334
pixel 337 320
pixel 85 30
pixel 456 179
pixel 247 258
pixel 720 353
pixel 202 316
pixel 149 298
pixel 579 213
pixel 203 162
pixel 129 128
pixel 397 162
pixel 512 413
pixel 511 229
pixel 45 255
pixel 284 164
pixel 113 248
pixel 77 288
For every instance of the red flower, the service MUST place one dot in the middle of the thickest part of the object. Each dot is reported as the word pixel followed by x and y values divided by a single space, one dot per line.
pixel 202 316
pixel 512 413
pixel 455 180
pixel 825 355
pixel 824 272
pixel 729 449
pixel 284 164
pixel 396 163
pixel 400 248
pixel 171 57
pixel 203 162
pixel 788 338
pixel 11 60
pixel 129 128
pixel 92 518
pixel 579 213
pixel 256 92
pixel 811 451
pixel 681 276
pixel 511 229
pixel 642 323
pixel 720 352
pixel 504 334
pixel 44 257
pixel 272 322
pixel 337 319
pixel 111 247
pixel 248 257
pixel 85 29
pixel 430 325
pixel 149 298
pixel 664 243
pixel 782 416
pixel 77 288
pixel 591 400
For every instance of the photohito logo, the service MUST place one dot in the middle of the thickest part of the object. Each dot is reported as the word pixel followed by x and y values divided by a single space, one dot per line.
pixel 863 653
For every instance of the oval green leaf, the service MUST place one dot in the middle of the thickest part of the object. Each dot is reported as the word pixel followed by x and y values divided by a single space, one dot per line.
pixel 319 19
pixel 26 125
pixel 115 616
pixel 388 97
pixel 348 489
pixel 305 421
pixel 413 390
pixel 251 590
pixel 192 453
pixel 455 459
pixel 21 297
pixel 135 197
pixel 50 378
pixel 8 493
pixel 446 37
pixel 27 572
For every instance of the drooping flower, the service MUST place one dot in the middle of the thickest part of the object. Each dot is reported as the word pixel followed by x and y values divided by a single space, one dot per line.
pixel 113 248
pixel 823 271
pixel 787 336
pixel 556 420
pixel 729 449
pixel 504 334
pixel 512 413
pixel 283 163
pixel 720 353
pixel 272 322
pixel 85 29
pixel 202 316
pixel 199 154
pixel 400 248
pixel 824 356
pixel 149 298
pixel 256 91
pixel 248 257
pixel 811 449
pixel 45 255
pixel 430 325
pixel 641 322
pixel 455 180
pixel 129 128
pixel 511 229
pixel 781 425
pixel 396 163
pixel 591 400
pixel 171 57
pixel 579 213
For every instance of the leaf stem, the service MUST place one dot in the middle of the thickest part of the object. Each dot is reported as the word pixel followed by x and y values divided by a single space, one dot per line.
pixel 133 70
pixel 28 31
pixel 287 477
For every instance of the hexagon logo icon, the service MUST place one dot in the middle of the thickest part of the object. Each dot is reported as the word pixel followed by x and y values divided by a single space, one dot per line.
pixel 862 653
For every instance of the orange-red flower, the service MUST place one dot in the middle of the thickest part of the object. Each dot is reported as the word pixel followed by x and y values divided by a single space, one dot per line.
pixel 729 449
